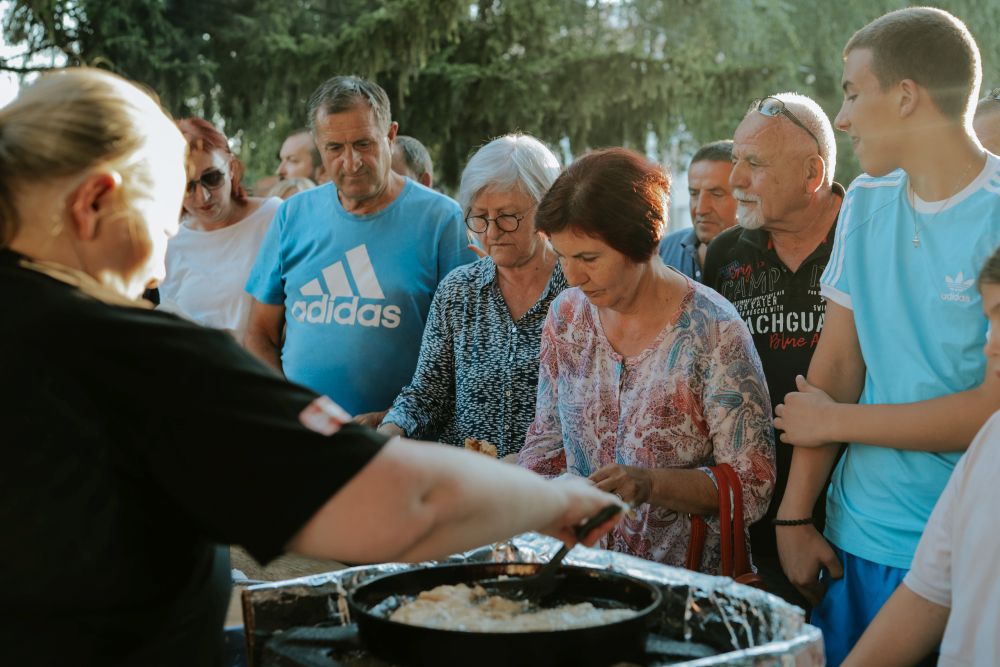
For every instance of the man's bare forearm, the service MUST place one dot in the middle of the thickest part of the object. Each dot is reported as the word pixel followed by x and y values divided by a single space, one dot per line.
pixel 807 477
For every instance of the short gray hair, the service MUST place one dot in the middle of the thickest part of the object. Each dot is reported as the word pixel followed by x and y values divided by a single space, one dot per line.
pixel 415 154
pixel 344 93
pixel 812 116
pixel 511 162
pixel 715 151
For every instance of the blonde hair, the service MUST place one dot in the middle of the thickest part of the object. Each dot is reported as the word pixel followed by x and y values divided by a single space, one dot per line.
pixel 73 121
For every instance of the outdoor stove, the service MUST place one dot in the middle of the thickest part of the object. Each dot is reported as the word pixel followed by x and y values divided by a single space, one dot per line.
pixel 704 620
pixel 338 646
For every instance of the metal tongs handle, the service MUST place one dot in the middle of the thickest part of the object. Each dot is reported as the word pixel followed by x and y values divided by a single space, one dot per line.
pixel 582 530
pixel 536 586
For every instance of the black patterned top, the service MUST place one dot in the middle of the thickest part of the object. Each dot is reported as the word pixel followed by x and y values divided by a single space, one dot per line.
pixel 477 374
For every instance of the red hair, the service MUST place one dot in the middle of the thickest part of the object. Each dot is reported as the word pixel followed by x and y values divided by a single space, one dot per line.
pixel 616 195
pixel 202 136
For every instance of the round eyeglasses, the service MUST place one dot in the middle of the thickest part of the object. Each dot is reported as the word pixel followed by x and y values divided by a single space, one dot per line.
pixel 505 222
pixel 772 107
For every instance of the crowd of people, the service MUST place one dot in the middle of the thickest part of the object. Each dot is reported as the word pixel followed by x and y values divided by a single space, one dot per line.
pixel 312 347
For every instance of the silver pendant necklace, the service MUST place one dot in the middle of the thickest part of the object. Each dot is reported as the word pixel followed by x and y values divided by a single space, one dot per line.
pixel 911 197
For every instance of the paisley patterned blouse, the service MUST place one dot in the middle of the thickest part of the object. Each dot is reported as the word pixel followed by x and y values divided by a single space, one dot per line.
pixel 696 397
pixel 478 369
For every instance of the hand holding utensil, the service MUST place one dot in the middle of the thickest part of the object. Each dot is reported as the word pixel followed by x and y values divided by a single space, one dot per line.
pixel 535 587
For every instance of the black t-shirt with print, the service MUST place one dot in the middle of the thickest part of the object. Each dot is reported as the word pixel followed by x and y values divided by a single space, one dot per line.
pixel 133 443
pixel 784 312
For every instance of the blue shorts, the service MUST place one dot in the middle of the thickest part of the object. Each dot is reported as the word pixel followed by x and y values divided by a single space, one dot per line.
pixel 851 603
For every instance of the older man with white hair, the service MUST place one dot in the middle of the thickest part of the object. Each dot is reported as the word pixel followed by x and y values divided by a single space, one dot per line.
pixel 769 265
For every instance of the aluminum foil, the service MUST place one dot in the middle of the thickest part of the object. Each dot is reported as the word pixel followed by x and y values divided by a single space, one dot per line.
pixel 748 626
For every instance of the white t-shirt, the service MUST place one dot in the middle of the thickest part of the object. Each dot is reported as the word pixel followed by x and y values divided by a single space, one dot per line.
pixel 955 564
pixel 206 271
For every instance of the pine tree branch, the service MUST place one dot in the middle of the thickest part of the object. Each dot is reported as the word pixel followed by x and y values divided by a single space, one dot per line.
pixel 4 67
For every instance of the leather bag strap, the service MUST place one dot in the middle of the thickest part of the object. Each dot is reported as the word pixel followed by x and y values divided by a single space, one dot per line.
pixel 732 534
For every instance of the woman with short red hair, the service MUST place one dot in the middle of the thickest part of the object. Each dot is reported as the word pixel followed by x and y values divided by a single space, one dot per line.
pixel 220 235
pixel 646 377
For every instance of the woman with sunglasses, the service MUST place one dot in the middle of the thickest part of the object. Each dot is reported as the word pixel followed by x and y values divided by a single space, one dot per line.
pixel 220 235
pixel 478 365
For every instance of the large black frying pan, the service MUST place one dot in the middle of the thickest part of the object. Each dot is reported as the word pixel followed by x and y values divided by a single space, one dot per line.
pixel 372 602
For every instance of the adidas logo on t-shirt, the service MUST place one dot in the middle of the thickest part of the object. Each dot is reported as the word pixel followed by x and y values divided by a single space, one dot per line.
pixel 341 302
pixel 956 286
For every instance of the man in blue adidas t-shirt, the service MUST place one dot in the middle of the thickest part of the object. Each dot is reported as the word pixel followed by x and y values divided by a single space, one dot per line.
pixel 346 273
pixel 904 330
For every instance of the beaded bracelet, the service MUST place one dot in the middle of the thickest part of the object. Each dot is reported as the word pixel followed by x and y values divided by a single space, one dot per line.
pixel 791 522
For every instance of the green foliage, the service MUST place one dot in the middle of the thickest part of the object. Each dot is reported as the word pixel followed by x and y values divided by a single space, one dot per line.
pixel 588 72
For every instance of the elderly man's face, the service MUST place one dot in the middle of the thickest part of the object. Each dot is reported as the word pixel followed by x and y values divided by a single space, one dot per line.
pixel 713 208
pixel 769 170
pixel 297 157
pixel 356 152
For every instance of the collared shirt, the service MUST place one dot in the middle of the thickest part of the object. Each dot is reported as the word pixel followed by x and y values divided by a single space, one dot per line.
pixel 680 250
pixel 478 369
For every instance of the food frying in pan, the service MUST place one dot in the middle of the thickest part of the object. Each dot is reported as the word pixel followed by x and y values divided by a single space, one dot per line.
pixel 472 609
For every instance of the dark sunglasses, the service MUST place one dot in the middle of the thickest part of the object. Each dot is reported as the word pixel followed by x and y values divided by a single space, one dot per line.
pixel 772 107
pixel 210 180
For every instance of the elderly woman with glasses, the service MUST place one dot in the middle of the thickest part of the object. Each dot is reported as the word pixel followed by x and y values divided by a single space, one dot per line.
pixel 478 365
pixel 646 377
pixel 220 235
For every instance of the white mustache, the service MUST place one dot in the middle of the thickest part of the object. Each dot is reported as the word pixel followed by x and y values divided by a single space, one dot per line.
pixel 745 196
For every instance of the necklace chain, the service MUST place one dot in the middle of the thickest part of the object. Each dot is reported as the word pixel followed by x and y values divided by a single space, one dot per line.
pixel 911 196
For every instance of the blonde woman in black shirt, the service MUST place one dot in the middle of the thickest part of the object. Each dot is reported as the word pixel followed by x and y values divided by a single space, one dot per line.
pixel 110 509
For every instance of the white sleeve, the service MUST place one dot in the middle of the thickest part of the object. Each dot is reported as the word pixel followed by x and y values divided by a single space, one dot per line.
pixel 930 574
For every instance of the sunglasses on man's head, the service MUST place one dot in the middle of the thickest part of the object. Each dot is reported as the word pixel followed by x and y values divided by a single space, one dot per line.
pixel 772 107
pixel 210 180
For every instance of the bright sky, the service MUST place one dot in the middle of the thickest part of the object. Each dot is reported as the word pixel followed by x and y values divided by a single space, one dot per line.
pixel 8 82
